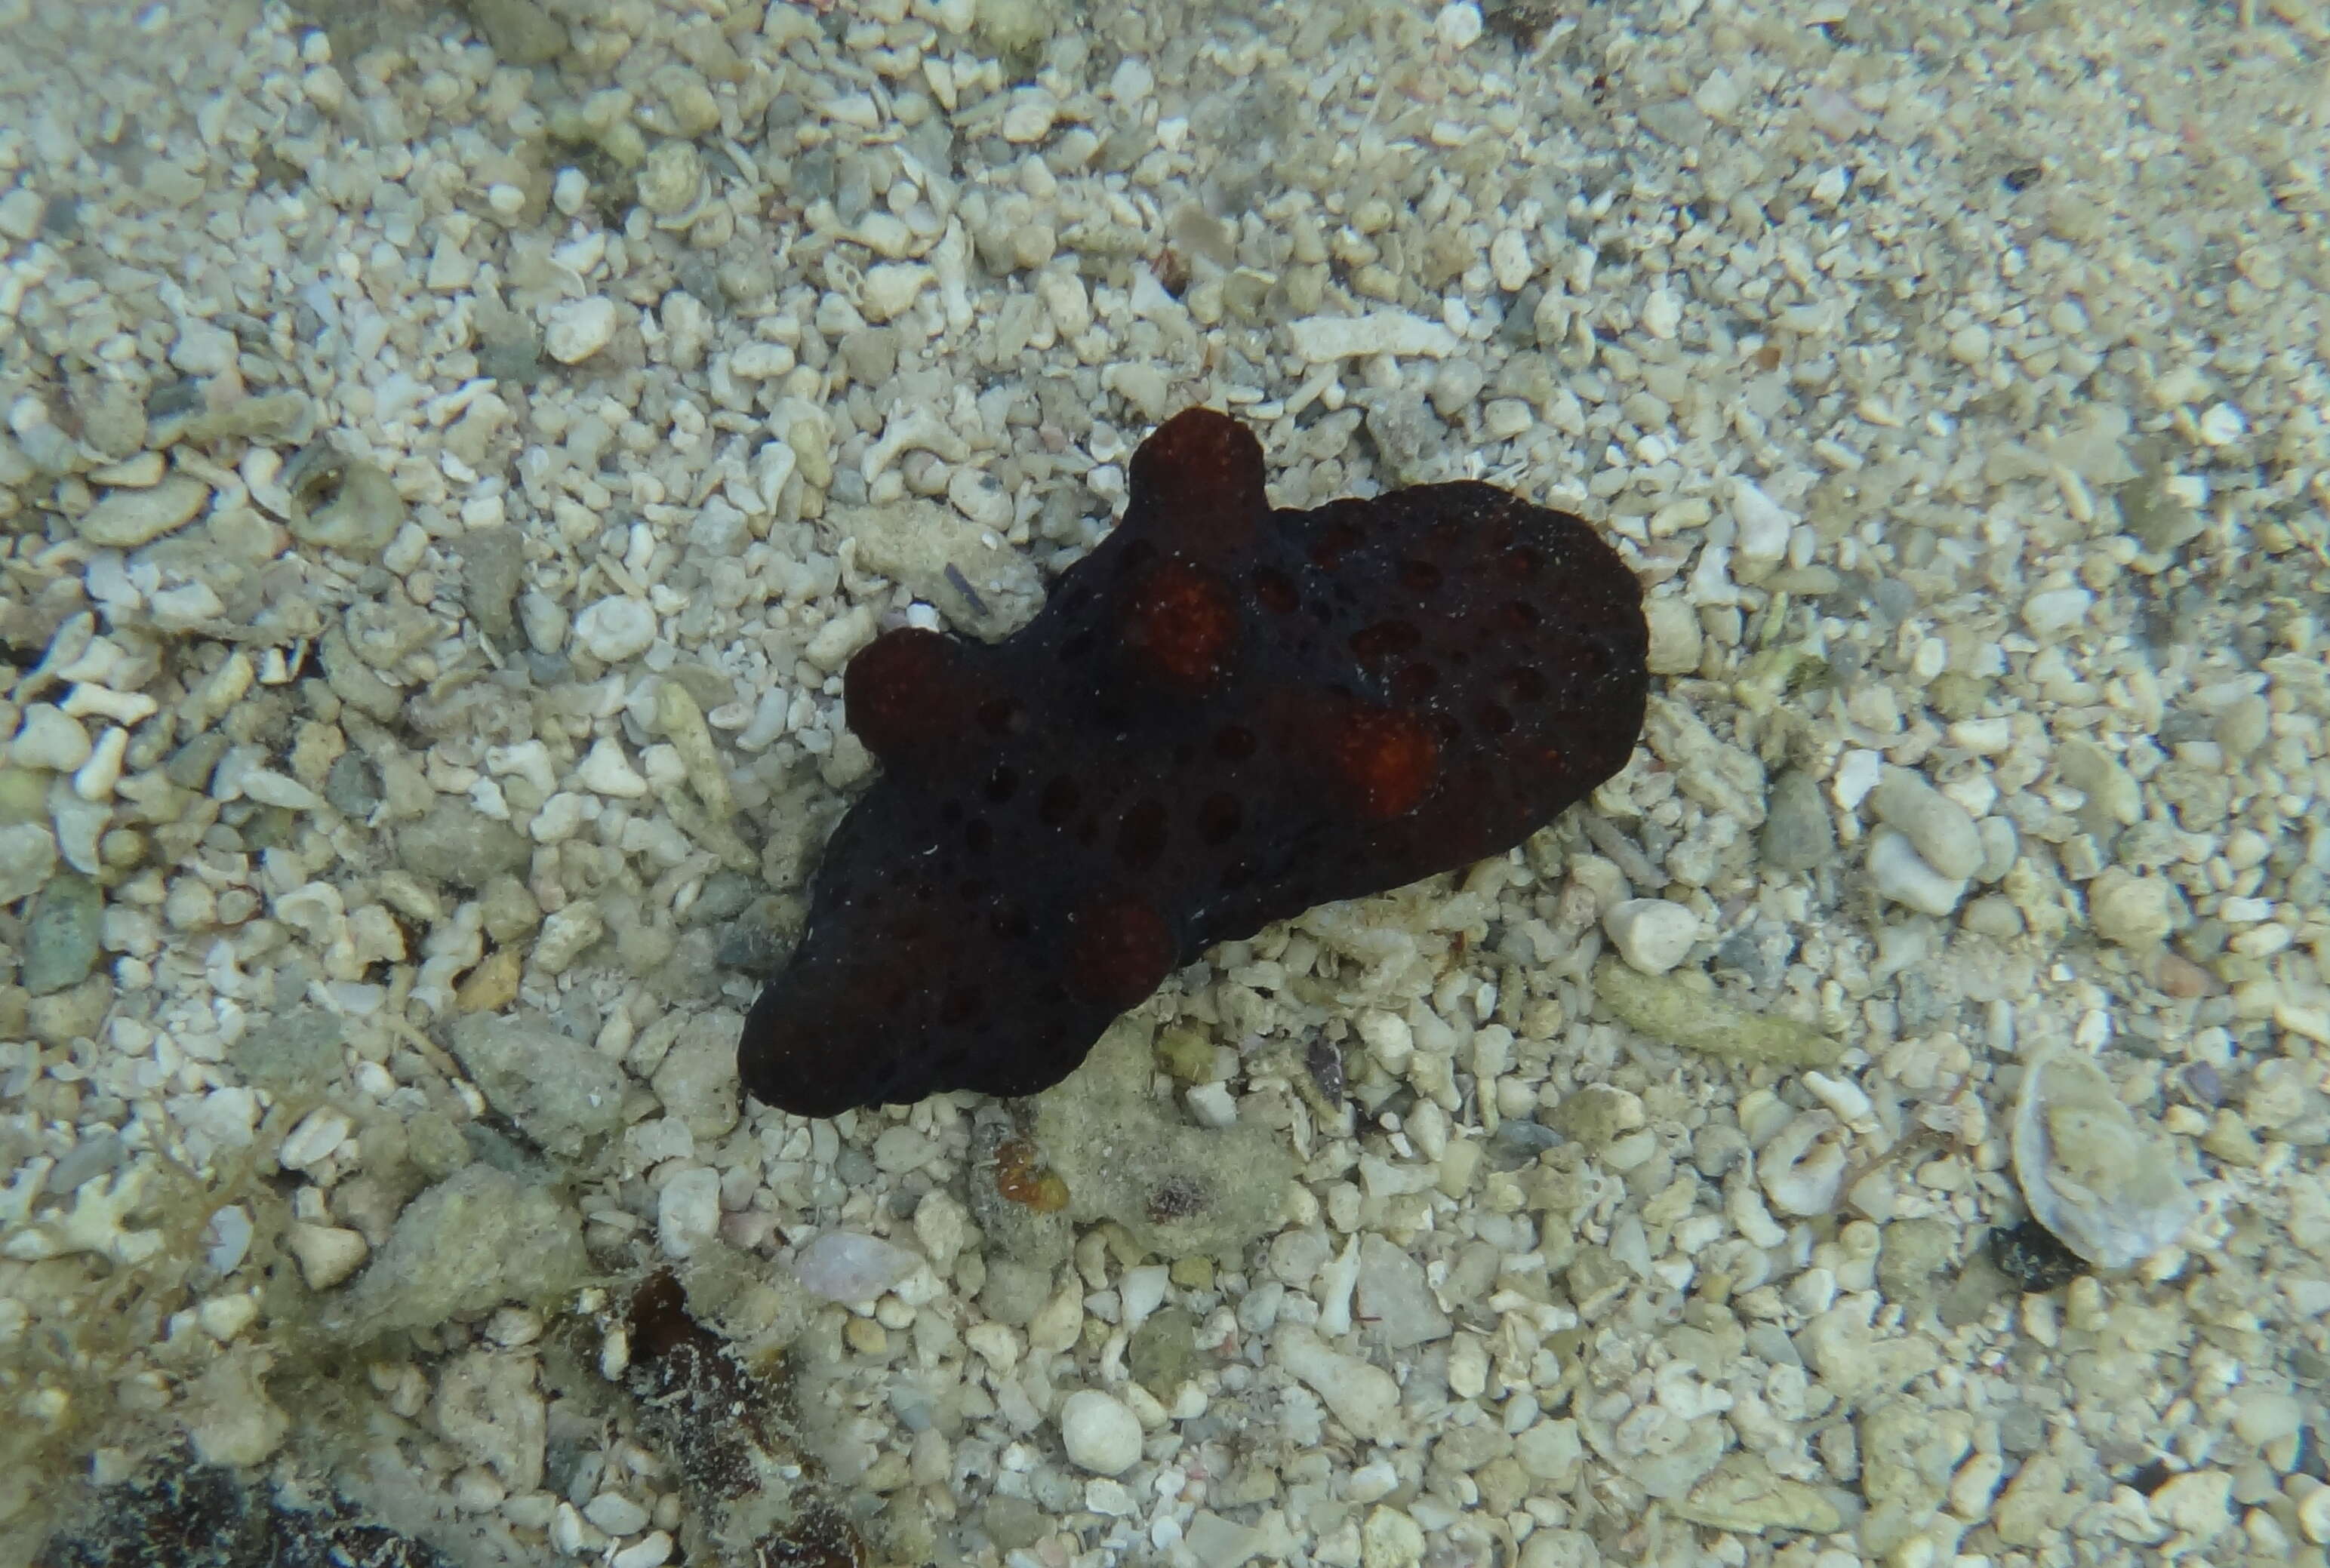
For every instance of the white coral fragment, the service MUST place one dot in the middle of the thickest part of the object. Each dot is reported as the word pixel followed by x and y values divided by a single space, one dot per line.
pixel 97 1221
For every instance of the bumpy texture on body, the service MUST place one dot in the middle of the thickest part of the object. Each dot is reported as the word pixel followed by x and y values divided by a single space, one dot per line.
pixel 1224 716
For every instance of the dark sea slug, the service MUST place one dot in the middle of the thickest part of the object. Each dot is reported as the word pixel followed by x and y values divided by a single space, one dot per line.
pixel 1222 716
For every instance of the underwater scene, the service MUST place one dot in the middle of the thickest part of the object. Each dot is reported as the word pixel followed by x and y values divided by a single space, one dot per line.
pixel 1074 783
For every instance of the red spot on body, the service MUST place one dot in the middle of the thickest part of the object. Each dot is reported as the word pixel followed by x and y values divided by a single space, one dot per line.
pixel 1181 625
pixel 1388 761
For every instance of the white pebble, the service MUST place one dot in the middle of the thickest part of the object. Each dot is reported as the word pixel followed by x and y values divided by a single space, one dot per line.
pixel 1506 418
pixel 979 497
pixel 125 519
pixel 1662 314
pixel 850 1266
pixel 615 628
pixel 1764 525
pixel 2222 425
pixel 688 1210
pixel 1362 1395
pixel 1856 773
pixel 1943 831
pixel 559 816
pixel 28 858
pixel 1717 96
pixel 269 787
pixel 1031 115
pixel 2314 1516
pixel 49 738
pixel 204 348
pixel 605 771
pixel 1802 1168
pixel 1323 339
pixel 616 1514
pixel 1143 1292
pixel 313 1140
pixel 1388 1039
pixel 569 191
pixel 891 288
pixel 761 361
pixel 1211 1104
pixel 1651 934
pixel 122 707
pixel 19 212
pixel 1132 80
pixel 651 1550
pixel 1101 1435
pixel 570 1534
pixel 326 1254
pixel 1459 25
pixel 1509 259
pixel 2056 609
pixel 1970 345
pixel 579 328
pixel 2195 1502
pixel 943 1225
pixel 1899 872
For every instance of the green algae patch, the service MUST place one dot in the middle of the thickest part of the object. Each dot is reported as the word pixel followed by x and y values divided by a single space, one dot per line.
pixel 1684 1010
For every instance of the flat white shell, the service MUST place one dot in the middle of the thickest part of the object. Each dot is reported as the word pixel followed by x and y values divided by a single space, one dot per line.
pixel 2105 1184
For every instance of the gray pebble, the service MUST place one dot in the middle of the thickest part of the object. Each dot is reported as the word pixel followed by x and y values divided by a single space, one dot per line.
pixel 1761 952
pixel 465 1246
pixel 192 765
pixel 1394 1298
pixel 60 936
pixel 1516 1144
pixel 519 31
pixel 871 352
pixel 356 683
pixel 2020 1429
pixel 28 856
pixel 1798 833
pixel 91 1156
pixel 725 895
pixel 1014 1291
pixel 1163 1353
pixel 493 563
pixel 290 1055
pixel 1013 1523
pixel 1717 1149
pixel 457 843
pixel 1405 435
pixel 509 908
pixel 2244 726
pixel 697 1081
pixel 352 786
pixel 560 1092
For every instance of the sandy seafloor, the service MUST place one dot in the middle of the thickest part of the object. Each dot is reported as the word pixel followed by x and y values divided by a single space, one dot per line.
pixel 450 454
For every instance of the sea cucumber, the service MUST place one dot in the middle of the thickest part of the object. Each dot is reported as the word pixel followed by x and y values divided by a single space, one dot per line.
pixel 1225 714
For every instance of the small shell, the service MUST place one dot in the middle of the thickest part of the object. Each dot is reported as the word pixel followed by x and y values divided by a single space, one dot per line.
pixel 1802 1168
pixel 2105 1185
